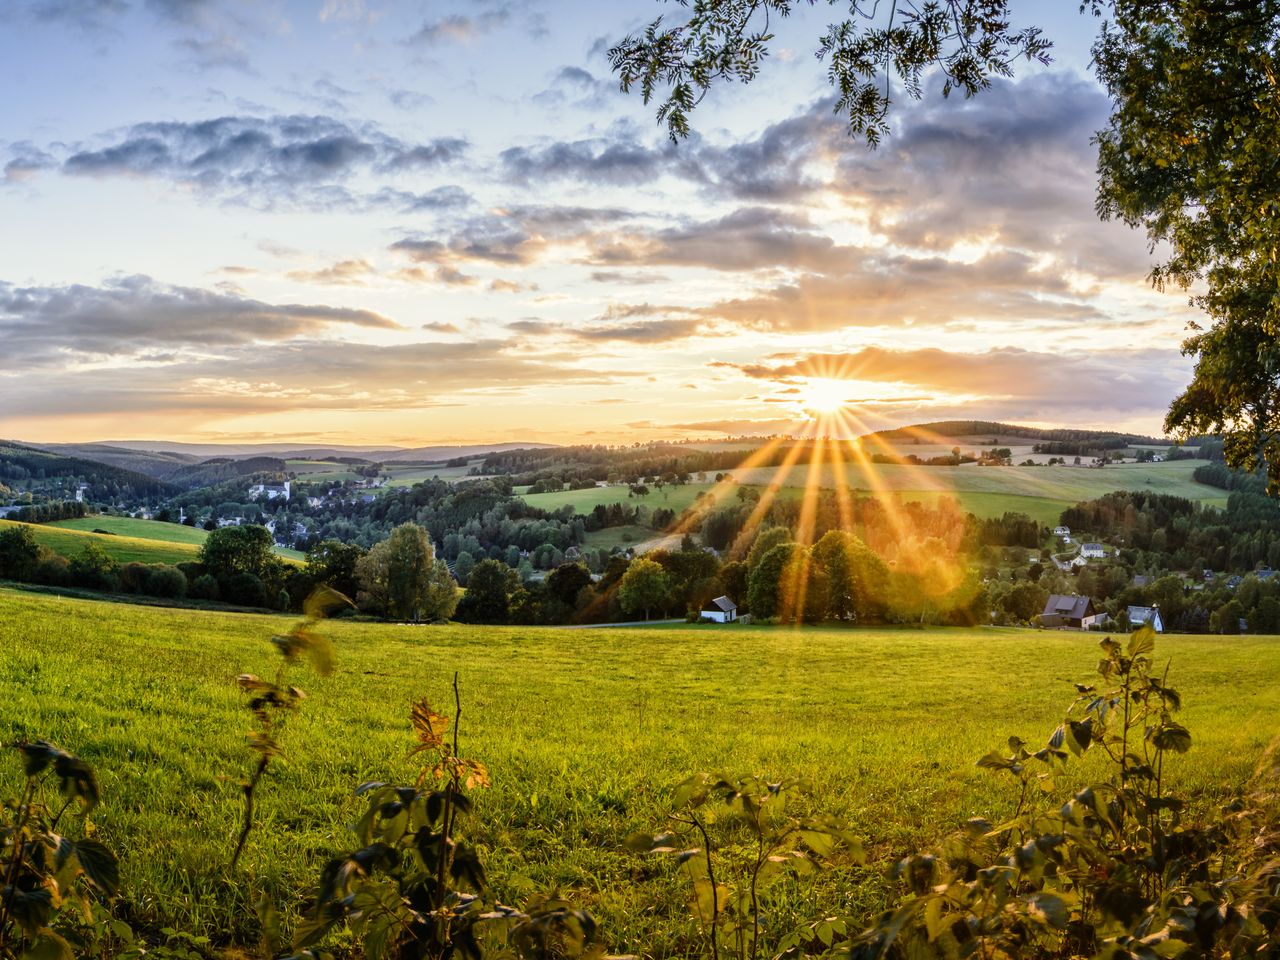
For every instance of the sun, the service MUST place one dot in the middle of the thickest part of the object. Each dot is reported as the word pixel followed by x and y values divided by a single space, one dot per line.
pixel 822 396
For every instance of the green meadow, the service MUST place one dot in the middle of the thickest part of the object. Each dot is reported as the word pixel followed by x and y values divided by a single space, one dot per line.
pixel 138 529
pixel 584 732
pixel 1042 493
pixel 127 539
pixel 69 541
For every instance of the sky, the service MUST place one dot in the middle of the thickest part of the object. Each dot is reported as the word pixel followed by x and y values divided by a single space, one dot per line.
pixel 417 221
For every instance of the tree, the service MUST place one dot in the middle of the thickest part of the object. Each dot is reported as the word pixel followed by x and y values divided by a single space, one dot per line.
pixel 1189 155
pixel 567 581
pixel 728 40
pixel 18 553
pixel 643 587
pixel 488 595
pixel 232 550
pixel 402 579
pixel 857 580
pixel 765 585
pixel 333 563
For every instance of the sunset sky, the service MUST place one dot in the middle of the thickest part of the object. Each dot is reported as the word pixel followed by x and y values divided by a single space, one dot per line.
pixel 411 221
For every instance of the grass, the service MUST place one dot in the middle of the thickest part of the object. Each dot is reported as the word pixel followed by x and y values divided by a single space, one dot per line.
pixel 124 549
pixel 584 731
pixel 984 504
pixel 409 474
pixel 146 541
pixel 139 529
pixel 1066 483
pixel 322 471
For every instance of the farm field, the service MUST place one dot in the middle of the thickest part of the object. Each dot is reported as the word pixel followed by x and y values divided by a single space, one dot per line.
pixel 584 732
pixel 407 475
pixel 318 471
pixel 124 549
pixel 982 503
pixel 1067 484
pixel 140 529
pixel 146 541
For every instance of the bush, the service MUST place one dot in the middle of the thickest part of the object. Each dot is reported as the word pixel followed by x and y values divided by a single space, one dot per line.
pixel 133 577
pixel 166 581
pixel 204 587
pixel 53 570
pixel 244 589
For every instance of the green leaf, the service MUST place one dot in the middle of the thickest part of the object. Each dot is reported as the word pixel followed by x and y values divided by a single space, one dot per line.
pixel 1048 909
pixel 1143 642
pixel 100 866
pixel 48 946
pixel 1172 736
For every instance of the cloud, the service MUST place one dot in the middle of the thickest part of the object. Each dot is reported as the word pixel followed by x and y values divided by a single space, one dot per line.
pixel 75 324
pixel 512 236
pixel 1058 386
pixel 344 272
pixel 877 289
pixel 462 28
pixel 249 159
pixel 619 162
pixel 647 331
pixel 93 16
pixel 314 376
pixel 751 238
pixel 27 161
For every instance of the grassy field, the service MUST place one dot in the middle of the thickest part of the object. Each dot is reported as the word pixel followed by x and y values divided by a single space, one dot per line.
pixel 125 549
pixel 321 471
pixel 140 529
pixel 585 731
pixel 982 503
pixel 409 474
pixel 147 541
pixel 1067 484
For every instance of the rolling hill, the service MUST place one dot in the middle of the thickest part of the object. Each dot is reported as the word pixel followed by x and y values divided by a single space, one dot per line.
pixel 24 463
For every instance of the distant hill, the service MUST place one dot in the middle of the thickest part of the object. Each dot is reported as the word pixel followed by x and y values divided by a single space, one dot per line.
pixel 297 451
pixel 221 469
pixel 1004 431
pixel 154 463
pixel 19 462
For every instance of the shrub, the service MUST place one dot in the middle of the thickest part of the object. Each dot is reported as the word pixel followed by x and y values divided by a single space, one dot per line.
pixel 204 587
pixel 133 577
pixel 53 570
pixel 166 581
pixel 244 589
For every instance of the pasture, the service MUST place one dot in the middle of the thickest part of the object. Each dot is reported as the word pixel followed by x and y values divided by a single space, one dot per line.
pixel 69 541
pixel 584 732
pixel 146 541
pixel 1040 492
pixel 139 529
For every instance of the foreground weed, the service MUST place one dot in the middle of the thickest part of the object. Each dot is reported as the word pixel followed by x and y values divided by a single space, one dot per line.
pixel 47 876
pixel 414 890
pixel 1111 871
pixel 767 840
pixel 270 701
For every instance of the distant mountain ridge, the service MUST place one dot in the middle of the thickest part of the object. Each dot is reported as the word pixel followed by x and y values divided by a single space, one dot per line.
pixel 977 428
pixel 196 452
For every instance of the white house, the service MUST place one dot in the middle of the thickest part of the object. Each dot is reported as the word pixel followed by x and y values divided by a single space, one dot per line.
pixel 272 491
pixel 1062 531
pixel 721 610
pixel 1141 615
pixel 1093 551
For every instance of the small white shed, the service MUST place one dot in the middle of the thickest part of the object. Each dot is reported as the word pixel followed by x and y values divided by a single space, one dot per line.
pixel 721 610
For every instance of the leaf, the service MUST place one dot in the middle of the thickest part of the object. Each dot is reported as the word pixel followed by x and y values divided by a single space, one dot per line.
pixel 428 726
pixel 1143 641
pixel 323 601
pixel 1048 909
pixel 1172 736
pixel 100 865
pixel 48 946
pixel 1081 735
